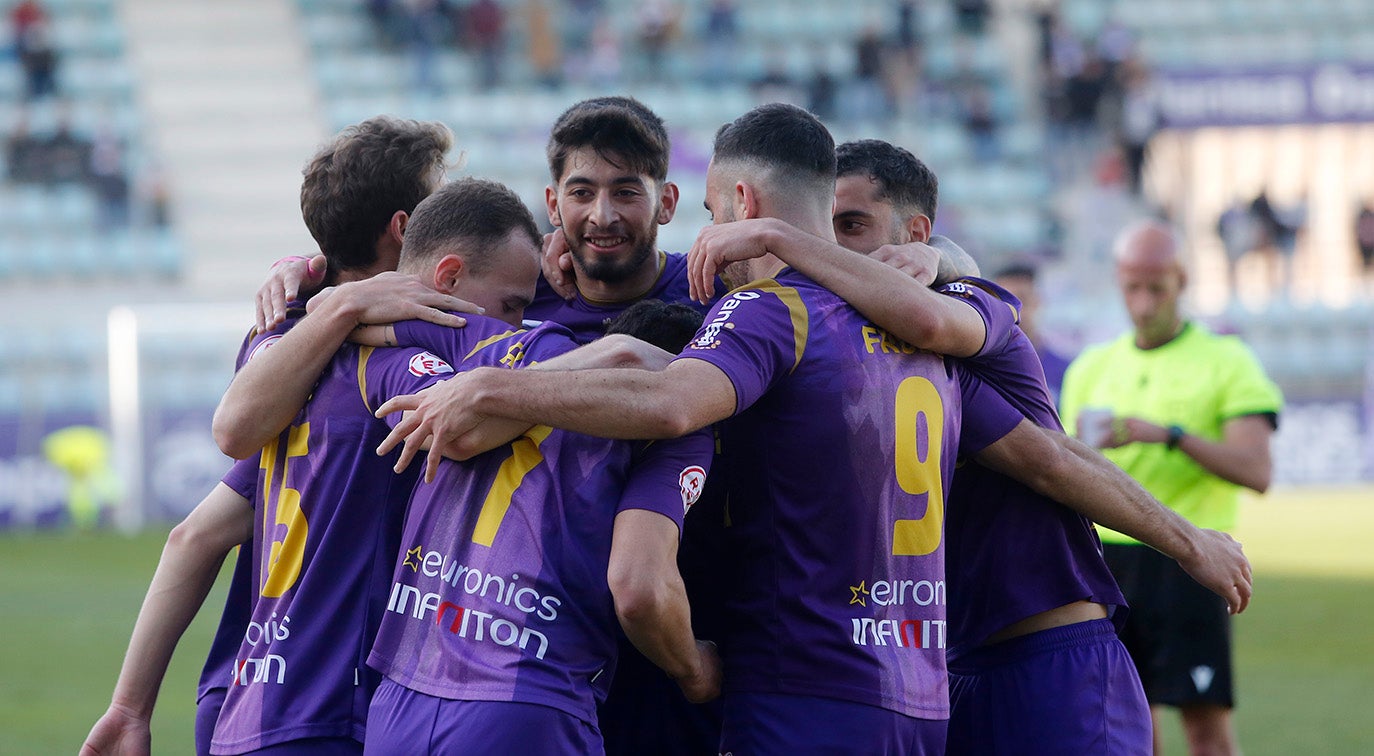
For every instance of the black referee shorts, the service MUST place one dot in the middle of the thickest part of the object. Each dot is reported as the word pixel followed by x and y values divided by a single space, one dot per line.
pixel 1178 632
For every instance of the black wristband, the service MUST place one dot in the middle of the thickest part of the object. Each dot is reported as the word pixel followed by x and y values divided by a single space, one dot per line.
pixel 1175 435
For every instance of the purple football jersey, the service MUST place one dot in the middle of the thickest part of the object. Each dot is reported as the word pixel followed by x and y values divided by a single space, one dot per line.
pixel 841 449
pixel 499 592
pixel 242 477
pixel 1012 553
pixel 326 536
pixel 588 318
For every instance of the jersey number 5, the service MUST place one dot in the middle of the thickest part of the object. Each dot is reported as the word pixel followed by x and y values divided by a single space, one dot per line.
pixel 287 550
pixel 920 415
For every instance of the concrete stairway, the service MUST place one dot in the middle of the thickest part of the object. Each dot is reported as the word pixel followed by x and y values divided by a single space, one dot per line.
pixel 233 114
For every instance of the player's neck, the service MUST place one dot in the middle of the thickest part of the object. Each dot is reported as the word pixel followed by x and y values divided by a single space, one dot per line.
pixel 634 287
pixel 1159 337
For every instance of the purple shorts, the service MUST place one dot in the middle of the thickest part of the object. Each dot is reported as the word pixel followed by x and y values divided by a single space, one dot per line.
pixel 760 724
pixel 402 722
pixel 1067 690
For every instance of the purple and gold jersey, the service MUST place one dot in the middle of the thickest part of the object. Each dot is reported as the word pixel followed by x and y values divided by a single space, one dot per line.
pixel 841 449
pixel 238 602
pixel 1012 553
pixel 326 535
pixel 588 318
pixel 500 592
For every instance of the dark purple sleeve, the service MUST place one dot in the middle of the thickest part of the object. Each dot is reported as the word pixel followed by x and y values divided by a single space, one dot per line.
pixel 751 337
pixel 243 477
pixel 987 416
pixel 668 476
pixel 999 308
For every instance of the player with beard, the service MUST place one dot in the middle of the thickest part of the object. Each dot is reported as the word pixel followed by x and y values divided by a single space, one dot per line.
pixel 608 158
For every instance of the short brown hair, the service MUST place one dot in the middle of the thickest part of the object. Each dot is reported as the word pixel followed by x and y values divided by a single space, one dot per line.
pixel 622 130
pixel 361 177
pixel 471 212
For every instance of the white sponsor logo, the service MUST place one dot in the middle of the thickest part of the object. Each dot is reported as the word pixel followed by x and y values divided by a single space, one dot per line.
pixel 426 363
pixel 707 339
pixel 691 480
pixel 901 633
pixel 506 591
pixel 464 622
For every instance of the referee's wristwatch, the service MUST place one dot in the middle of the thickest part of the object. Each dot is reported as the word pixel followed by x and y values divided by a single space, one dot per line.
pixel 1175 436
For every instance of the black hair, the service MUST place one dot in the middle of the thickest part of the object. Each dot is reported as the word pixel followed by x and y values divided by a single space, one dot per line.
pixel 667 326
pixel 902 178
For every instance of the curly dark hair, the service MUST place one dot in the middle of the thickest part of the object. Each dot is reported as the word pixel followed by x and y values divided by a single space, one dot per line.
pixel 622 130
pixel 903 179
pixel 360 178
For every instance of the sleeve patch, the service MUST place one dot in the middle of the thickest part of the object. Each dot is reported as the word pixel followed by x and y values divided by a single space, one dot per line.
pixel 691 482
pixel 427 363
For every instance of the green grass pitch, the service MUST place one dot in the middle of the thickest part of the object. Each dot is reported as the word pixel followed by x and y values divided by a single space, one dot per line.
pixel 1305 648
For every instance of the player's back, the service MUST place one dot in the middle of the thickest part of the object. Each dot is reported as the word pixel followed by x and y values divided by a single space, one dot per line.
pixel 500 592
pixel 326 532
pixel 838 469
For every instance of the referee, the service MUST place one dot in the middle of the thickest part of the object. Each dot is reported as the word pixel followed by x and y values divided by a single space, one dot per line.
pixel 1189 414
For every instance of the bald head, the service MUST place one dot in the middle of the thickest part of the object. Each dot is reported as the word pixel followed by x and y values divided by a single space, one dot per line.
pixel 1150 275
pixel 1148 243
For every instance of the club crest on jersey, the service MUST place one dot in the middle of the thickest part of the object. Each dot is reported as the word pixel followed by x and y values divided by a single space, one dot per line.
pixel 426 363
pixel 262 345
pixel 691 481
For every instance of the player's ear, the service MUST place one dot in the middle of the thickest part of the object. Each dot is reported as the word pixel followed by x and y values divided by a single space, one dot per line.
pixel 448 272
pixel 746 201
pixel 396 228
pixel 551 204
pixel 918 228
pixel 667 203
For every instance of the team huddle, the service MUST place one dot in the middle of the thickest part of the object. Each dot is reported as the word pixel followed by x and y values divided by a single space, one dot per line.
pixel 507 494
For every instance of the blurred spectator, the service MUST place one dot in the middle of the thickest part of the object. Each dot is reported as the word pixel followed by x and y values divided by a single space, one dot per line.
pixel 577 24
pixel 545 52
pixel 386 22
pixel 603 65
pixel 1019 279
pixel 980 124
pixel 869 90
pixel 657 24
pixel 1239 234
pixel 423 23
pixel 486 30
pixel 1140 118
pixel 24 153
pixel 1046 19
pixel 1115 44
pixel 821 90
pixel 66 155
pixel 972 15
pixel 774 85
pixel 38 58
pixel 721 35
pixel 108 178
pixel 23 16
pixel 904 64
pixel 1278 234
pixel 1364 236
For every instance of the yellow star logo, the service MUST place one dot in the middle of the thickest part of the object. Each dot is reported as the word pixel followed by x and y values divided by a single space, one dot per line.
pixel 415 552
pixel 859 592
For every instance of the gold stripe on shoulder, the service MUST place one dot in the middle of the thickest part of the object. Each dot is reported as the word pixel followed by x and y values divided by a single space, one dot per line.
pixel 801 319
pixel 364 354
pixel 488 341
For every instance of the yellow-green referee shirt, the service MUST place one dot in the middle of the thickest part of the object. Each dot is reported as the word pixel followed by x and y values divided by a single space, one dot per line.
pixel 1198 381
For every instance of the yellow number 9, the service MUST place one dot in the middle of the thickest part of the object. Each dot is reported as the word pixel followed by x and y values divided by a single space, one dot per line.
pixel 919 412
